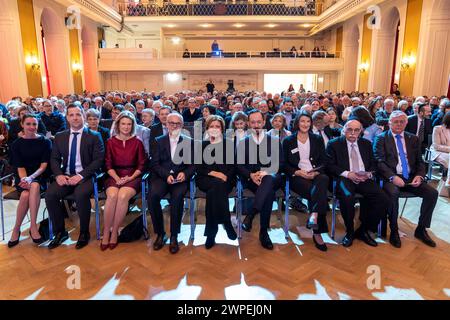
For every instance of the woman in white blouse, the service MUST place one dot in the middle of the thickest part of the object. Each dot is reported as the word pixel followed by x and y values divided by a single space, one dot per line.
pixel 304 158
pixel 440 149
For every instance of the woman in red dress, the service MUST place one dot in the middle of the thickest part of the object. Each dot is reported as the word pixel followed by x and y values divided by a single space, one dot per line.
pixel 125 161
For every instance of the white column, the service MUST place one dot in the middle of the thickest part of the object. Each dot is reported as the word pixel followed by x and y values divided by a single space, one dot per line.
pixel 13 79
pixel 350 66
pixel 433 61
pixel 381 61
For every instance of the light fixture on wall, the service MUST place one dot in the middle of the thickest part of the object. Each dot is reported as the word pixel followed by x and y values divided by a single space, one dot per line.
pixel 271 25
pixel 175 40
pixel 173 76
pixel 238 25
pixel 408 61
pixel 320 79
pixel 33 62
pixel 77 67
pixel 363 67
pixel 205 25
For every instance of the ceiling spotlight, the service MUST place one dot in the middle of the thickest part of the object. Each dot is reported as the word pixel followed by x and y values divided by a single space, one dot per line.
pixel 271 25
pixel 205 25
pixel 238 25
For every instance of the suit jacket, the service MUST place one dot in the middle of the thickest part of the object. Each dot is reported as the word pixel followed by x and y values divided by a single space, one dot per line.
pixel 441 142
pixel 161 162
pixel 104 132
pixel 412 127
pixel 105 113
pixel 54 123
pixel 291 159
pixel 92 153
pixel 382 119
pixel 385 151
pixel 332 132
pixel 271 159
pixel 338 160
pixel 107 123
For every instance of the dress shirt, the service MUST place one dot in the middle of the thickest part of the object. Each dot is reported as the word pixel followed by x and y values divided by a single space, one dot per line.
pixel 399 162
pixel 360 161
pixel 173 145
pixel 322 134
pixel 304 153
pixel 78 165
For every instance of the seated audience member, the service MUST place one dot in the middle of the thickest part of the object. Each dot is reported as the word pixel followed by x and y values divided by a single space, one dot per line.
pixel 105 108
pixel 267 116
pixel 320 126
pixel 15 126
pixel 382 116
pixel 287 109
pixel 356 102
pixel 351 162
pixel 420 125
pixel 141 132
pixel 278 123
pixel 160 128
pixel 61 107
pixel 93 121
pixel 125 160
pixel 333 124
pixel 304 164
pixel 86 104
pixel 401 166
pixel 140 105
pixel 108 123
pixel 207 110
pixel 440 148
pixel 3 139
pixel 30 155
pixel 239 126
pixel 374 106
pixel 236 106
pixel 76 156
pixel 444 107
pixel 403 106
pixel 216 178
pixel 192 112
pixel 53 120
pixel 259 172
pixel 147 117
pixel 370 128
pixel 172 168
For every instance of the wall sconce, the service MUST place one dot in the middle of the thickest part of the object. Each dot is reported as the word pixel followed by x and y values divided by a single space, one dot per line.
pixel 33 62
pixel 77 67
pixel 408 61
pixel 363 67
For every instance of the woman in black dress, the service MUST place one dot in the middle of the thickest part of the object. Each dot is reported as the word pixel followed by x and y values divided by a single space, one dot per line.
pixel 30 154
pixel 304 159
pixel 216 177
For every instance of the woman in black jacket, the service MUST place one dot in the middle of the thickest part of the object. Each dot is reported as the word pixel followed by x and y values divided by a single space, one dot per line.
pixel 216 177
pixel 304 158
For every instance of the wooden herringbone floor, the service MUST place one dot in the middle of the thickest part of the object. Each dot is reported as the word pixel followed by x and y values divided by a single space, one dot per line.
pixel 135 271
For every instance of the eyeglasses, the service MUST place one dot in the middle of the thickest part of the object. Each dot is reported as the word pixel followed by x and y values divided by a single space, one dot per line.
pixel 175 124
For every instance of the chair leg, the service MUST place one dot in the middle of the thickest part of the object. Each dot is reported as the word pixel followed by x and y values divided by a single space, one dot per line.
pixel 50 227
pixel 286 210
pixel 144 210
pixel 379 229
pixel 97 212
pixel 404 205
pixel 333 212
pixel 192 208
pixel 3 214
pixel 239 210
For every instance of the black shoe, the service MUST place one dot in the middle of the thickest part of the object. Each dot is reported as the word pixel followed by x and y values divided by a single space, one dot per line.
pixel 173 247
pixel 365 236
pixel 159 242
pixel 247 224
pixel 59 238
pixel 231 233
pixel 321 247
pixel 15 242
pixel 394 239
pixel 348 240
pixel 83 240
pixel 210 242
pixel 37 241
pixel 423 235
pixel 265 240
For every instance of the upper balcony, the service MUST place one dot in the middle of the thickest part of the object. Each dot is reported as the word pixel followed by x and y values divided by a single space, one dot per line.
pixel 156 8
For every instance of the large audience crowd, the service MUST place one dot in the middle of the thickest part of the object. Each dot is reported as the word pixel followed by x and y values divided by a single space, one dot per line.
pixel 363 143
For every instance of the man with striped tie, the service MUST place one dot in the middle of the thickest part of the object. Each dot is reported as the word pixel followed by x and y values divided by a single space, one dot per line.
pixel 401 166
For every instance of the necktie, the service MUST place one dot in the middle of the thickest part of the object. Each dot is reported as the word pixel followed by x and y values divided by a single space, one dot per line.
pixel 354 159
pixel 73 153
pixel 404 161
pixel 421 131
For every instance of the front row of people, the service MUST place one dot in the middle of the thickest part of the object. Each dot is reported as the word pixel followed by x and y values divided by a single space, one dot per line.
pixel 258 159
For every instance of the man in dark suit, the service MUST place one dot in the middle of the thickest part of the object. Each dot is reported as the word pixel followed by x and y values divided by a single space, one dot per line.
pixel 351 162
pixel 420 125
pixel 104 112
pixel 53 120
pixel 320 126
pixel 77 154
pixel 172 167
pixel 401 166
pixel 107 123
pixel 259 161
pixel 160 128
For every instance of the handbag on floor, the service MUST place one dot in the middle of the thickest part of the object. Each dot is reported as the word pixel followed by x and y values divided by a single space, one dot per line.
pixel 133 231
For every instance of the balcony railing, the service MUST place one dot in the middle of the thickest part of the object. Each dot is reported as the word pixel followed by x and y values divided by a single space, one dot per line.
pixel 249 54
pixel 224 8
